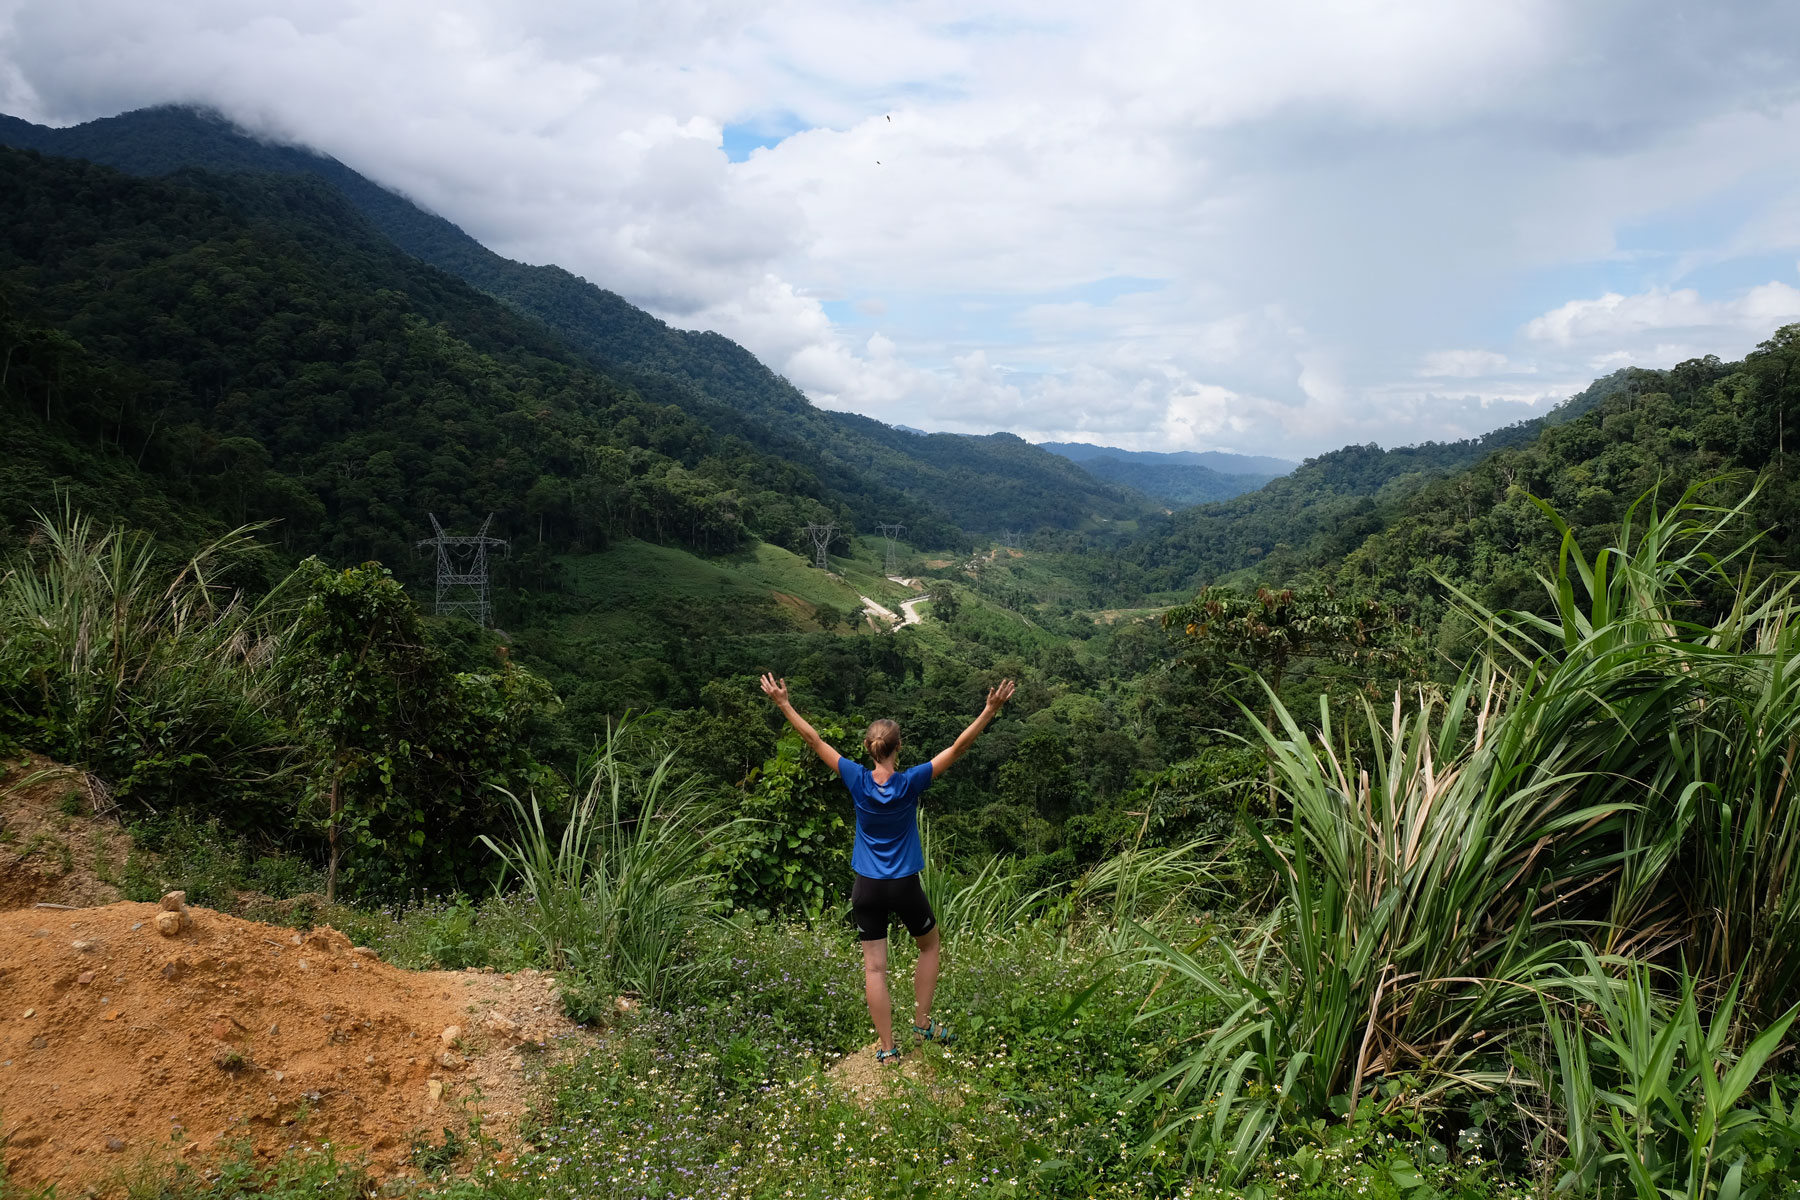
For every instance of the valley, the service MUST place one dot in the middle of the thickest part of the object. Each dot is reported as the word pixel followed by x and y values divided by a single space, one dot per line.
pixel 1314 856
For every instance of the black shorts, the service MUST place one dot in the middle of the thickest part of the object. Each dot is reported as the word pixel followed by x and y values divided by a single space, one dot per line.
pixel 872 901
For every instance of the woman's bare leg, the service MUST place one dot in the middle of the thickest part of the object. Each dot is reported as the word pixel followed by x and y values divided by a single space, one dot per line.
pixel 875 989
pixel 925 976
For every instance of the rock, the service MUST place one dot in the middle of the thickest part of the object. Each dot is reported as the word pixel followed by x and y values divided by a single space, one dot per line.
pixel 364 952
pixel 450 1060
pixel 39 1042
pixel 501 1024
pixel 30 1012
pixel 82 945
pixel 168 923
pixel 326 940
pixel 435 1089
pixel 450 1034
pixel 516 1062
pixel 221 1031
pixel 623 1004
pixel 274 1031
pixel 278 1076
pixel 304 965
pixel 368 1060
pixel 174 902
pixel 85 978
pixel 114 1145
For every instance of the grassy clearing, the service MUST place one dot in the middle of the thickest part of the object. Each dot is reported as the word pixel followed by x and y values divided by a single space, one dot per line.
pixel 628 591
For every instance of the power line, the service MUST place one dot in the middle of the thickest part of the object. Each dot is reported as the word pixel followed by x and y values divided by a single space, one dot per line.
pixel 462 571
pixel 821 536
pixel 892 533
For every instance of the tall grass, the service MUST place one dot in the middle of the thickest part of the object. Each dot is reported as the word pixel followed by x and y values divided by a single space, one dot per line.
pixel 1656 1099
pixel 147 671
pixel 1407 895
pixel 1680 680
pixel 1616 771
pixel 1140 884
pixel 632 872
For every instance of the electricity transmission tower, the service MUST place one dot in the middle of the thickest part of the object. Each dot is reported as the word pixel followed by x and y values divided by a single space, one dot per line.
pixel 821 538
pixel 462 571
pixel 892 533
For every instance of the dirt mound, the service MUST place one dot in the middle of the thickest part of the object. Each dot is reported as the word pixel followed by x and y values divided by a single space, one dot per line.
pixel 59 843
pixel 864 1081
pixel 118 1044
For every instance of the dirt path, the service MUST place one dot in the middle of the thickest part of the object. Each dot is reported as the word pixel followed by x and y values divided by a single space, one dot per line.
pixel 118 1044
pixel 909 609
pixel 866 1084
pixel 879 610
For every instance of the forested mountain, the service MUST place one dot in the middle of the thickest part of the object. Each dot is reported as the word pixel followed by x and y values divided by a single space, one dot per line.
pixel 1324 509
pixel 249 348
pixel 953 483
pixel 1716 425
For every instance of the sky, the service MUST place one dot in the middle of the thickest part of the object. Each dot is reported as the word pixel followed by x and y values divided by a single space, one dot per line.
pixel 1270 228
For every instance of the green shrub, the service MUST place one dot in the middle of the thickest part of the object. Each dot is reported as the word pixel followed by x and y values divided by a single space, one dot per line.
pixel 211 863
pixel 792 858
pixel 443 934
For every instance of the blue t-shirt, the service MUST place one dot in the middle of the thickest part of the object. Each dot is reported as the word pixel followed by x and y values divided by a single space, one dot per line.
pixel 887 833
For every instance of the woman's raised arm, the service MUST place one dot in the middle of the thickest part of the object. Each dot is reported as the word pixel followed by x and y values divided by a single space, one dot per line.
pixel 996 700
pixel 776 690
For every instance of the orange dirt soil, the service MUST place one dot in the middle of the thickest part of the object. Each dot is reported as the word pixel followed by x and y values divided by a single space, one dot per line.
pixel 118 1044
pixel 49 854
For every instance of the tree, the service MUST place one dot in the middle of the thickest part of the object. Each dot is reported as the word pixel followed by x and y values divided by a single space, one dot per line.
pixel 1268 631
pixel 400 744
pixel 945 603
pixel 796 855
pixel 1774 362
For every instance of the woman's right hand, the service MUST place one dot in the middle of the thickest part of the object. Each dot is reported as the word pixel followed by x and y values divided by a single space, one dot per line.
pixel 775 689
pixel 1000 694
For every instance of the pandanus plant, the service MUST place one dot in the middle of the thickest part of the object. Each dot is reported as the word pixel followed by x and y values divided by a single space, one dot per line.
pixel 1616 771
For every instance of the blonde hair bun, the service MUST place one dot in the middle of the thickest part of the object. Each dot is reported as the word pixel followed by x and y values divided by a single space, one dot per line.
pixel 882 740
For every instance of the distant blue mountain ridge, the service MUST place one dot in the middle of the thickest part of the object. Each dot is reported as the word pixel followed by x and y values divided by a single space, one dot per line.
pixel 1215 460
pixel 1178 478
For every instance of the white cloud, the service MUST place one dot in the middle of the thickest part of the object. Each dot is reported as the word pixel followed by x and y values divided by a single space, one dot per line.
pixel 1324 194
pixel 1641 322
pixel 1466 364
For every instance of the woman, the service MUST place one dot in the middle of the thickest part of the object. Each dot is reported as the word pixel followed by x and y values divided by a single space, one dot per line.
pixel 887 857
